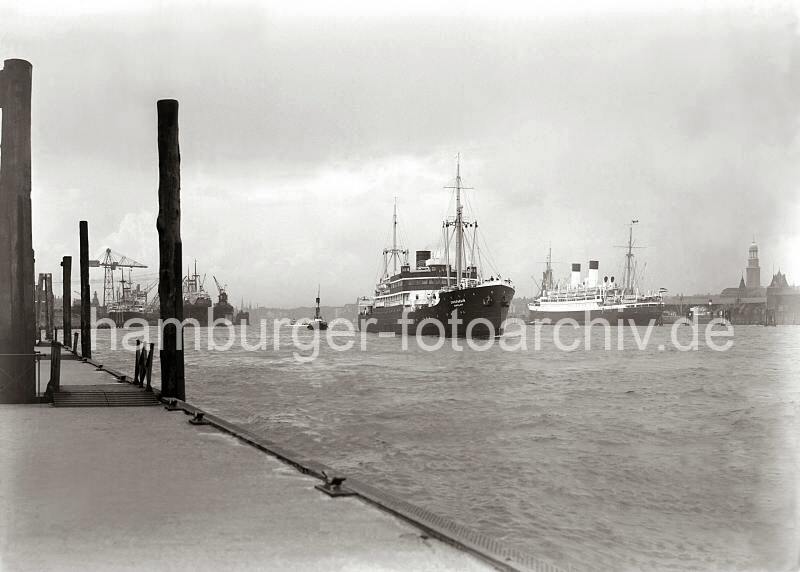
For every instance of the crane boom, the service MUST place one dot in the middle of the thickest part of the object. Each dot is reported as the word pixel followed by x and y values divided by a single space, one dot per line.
pixel 110 261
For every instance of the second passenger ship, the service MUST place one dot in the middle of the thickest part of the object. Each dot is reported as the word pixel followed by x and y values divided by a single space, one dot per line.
pixel 584 300
pixel 425 299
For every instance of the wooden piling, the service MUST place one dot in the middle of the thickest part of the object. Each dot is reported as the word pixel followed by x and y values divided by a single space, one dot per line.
pixel 54 385
pixel 38 318
pixel 142 366
pixel 17 325
pixel 86 301
pixel 49 306
pixel 170 285
pixel 149 367
pixel 66 298
pixel 138 361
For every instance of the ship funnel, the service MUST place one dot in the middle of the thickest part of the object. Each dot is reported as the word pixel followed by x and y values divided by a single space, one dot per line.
pixel 594 269
pixel 576 275
pixel 422 258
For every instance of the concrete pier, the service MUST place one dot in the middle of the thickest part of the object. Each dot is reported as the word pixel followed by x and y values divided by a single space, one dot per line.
pixel 139 488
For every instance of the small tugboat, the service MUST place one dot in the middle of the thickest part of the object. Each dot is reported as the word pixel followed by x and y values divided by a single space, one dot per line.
pixel 318 322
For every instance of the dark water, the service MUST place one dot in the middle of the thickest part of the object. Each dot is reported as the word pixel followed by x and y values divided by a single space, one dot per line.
pixel 617 460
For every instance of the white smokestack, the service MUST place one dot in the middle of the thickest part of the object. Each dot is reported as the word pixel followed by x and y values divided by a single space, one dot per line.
pixel 576 275
pixel 594 270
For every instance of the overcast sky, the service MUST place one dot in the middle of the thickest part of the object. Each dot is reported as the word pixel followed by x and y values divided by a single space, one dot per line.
pixel 299 125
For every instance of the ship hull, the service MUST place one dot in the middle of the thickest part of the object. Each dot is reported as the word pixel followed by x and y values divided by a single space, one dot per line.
pixel 120 317
pixel 482 310
pixel 616 316
pixel 223 312
pixel 196 312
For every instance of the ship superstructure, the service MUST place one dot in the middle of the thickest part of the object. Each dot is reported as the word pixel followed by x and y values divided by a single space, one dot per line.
pixel 129 302
pixel 196 301
pixel 428 296
pixel 121 300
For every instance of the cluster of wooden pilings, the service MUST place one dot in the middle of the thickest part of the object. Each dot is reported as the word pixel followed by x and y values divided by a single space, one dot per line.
pixel 19 313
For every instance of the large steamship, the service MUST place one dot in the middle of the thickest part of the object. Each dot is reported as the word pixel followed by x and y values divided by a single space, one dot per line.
pixel 424 299
pixel 589 299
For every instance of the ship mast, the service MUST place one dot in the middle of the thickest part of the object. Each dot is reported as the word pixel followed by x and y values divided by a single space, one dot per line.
pixel 394 237
pixel 629 260
pixel 316 315
pixel 548 273
pixel 394 252
pixel 459 222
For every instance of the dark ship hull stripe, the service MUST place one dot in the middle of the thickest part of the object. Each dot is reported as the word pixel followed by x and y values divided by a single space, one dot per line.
pixel 490 302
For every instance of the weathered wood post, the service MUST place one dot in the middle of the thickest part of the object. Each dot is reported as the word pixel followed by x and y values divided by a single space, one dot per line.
pixel 66 298
pixel 170 285
pixel 38 319
pixel 75 343
pixel 54 385
pixel 138 361
pixel 49 304
pixel 149 387
pixel 142 366
pixel 86 300
pixel 17 325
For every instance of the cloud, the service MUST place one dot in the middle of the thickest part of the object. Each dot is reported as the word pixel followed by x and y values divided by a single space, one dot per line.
pixel 298 128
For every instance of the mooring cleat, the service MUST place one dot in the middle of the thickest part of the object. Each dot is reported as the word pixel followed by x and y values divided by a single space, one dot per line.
pixel 172 405
pixel 198 419
pixel 333 486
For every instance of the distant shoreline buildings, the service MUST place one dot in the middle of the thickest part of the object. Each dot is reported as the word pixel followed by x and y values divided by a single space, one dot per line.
pixel 749 302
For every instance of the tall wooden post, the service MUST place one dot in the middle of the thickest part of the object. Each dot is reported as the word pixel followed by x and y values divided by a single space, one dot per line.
pixel 170 285
pixel 86 301
pixel 66 298
pixel 49 304
pixel 38 319
pixel 17 325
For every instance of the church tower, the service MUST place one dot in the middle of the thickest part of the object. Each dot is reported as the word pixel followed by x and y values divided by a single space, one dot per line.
pixel 753 269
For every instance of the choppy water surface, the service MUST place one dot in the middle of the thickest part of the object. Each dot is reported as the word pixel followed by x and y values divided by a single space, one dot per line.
pixel 618 460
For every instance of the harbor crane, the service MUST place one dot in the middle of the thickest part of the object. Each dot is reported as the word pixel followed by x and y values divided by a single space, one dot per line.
pixel 223 290
pixel 110 261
